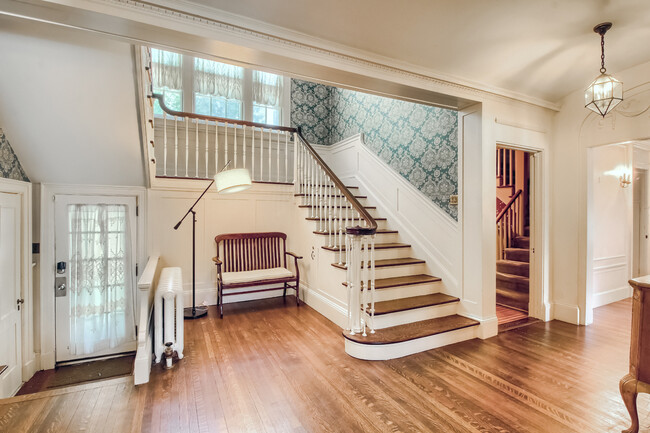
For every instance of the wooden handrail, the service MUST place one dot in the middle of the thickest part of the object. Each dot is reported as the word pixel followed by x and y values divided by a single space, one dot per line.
pixel 372 224
pixel 166 109
pixel 509 205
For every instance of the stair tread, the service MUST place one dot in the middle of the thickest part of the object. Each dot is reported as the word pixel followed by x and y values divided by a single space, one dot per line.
pixel 330 195
pixel 408 280
pixel 309 206
pixel 379 231
pixel 337 218
pixel 510 277
pixel 512 294
pixel 378 246
pixel 402 261
pixel 404 304
pixel 412 331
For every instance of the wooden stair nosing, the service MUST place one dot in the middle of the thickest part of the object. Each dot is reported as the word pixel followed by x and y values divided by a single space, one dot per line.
pixel 413 331
pixel 378 246
pixel 306 206
pixel 412 303
pixel 403 261
pixel 329 195
pixel 378 231
pixel 338 218
pixel 408 280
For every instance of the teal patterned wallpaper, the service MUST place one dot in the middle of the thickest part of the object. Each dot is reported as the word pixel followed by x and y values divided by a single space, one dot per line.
pixel 10 167
pixel 418 141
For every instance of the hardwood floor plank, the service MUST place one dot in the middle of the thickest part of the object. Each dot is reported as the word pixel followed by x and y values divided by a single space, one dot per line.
pixel 272 367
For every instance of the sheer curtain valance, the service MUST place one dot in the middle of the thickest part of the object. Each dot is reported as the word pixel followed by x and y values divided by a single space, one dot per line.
pixel 267 88
pixel 167 69
pixel 218 79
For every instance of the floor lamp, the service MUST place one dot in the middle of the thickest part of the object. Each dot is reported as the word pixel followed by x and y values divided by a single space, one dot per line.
pixel 226 182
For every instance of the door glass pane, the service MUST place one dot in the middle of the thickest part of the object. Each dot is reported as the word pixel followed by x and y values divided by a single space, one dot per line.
pixel 100 279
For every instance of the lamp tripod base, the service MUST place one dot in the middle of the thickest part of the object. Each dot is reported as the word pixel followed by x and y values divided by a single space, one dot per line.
pixel 195 312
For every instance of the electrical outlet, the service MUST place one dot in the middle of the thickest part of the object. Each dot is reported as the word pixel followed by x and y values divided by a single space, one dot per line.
pixel 453 199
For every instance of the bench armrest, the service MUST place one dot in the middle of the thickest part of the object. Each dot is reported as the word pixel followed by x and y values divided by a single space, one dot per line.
pixel 216 260
pixel 294 255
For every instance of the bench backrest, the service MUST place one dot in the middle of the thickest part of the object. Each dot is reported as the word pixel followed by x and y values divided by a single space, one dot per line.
pixel 251 251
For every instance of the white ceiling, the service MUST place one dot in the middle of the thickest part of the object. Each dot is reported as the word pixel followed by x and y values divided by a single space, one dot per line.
pixel 540 48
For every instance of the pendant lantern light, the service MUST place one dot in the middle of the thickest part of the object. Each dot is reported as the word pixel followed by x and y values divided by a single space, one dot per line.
pixel 606 92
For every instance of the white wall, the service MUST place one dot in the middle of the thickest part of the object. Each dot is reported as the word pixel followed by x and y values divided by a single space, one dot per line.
pixel 68 105
pixel 576 130
pixel 612 224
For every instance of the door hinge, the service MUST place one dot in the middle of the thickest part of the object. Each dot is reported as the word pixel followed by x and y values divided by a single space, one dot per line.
pixel 19 302
pixel 137 211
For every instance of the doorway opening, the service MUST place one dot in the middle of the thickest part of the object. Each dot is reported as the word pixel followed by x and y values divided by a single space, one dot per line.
pixel 513 231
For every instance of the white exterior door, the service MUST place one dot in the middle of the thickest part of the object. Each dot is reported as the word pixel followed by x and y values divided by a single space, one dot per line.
pixel 10 282
pixel 95 246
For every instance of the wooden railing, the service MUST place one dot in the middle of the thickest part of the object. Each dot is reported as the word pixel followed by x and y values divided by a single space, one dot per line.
pixel 203 144
pixel 505 167
pixel 509 224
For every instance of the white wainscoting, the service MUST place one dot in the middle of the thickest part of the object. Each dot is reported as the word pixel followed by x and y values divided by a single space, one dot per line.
pixel 434 236
pixel 610 275
pixel 263 207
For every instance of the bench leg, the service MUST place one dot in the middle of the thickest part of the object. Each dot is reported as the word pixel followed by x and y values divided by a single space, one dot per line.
pixel 220 301
pixel 284 294
pixel 298 292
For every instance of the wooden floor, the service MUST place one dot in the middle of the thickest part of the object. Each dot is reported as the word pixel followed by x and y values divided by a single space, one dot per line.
pixel 267 367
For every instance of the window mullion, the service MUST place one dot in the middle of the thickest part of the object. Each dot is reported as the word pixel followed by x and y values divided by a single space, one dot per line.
pixel 247 95
pixel 188 83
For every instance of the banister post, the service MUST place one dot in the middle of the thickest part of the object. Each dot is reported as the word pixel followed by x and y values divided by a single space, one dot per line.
pixel 356 239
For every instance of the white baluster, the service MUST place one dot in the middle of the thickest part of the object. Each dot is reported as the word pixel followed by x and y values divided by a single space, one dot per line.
pixel 296 162
pixel 277 158
pixel 261 154
pixel 286 158
pixel 216 147
pixel 207 134
pixel 270 154
pixel 196 148
pixel 253 152
pixel 225 154
pixel 372 284
pixel 187 146
pixel 164 143
pixel 244 144
pixel 175 146
pixel 235 144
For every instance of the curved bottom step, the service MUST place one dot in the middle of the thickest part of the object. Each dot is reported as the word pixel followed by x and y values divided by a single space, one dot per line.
pixel 404 340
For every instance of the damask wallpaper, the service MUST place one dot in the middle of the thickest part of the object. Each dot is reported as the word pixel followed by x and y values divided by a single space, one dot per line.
pixel 10 167
pixel 418 141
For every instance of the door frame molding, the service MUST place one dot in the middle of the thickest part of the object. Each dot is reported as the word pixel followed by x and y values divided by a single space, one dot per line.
pixel 47 316
pixel 24 190
pixel 535 143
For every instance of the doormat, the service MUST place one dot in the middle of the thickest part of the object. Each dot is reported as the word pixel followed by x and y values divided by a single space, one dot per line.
pixel 78 373
pixel 92 370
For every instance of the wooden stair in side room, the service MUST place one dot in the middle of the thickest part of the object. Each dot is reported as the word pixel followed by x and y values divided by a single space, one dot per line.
pixel 412 314
pixel 512 279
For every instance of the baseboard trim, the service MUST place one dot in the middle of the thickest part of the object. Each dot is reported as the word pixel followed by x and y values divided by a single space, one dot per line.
pixel 610 296
pixel 487 327
pixel 566 313
pixel 325 305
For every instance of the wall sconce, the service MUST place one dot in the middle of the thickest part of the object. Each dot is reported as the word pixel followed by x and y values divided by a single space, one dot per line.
pixel 625 180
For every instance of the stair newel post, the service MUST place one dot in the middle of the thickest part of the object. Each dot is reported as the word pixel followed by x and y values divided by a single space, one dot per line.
pixel 164 143
pixel 364 281
pixel 354 267
pixel 175 146
pixel 296 162
pixel 348 280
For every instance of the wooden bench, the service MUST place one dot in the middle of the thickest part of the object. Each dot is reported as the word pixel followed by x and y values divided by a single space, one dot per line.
pixel 249 260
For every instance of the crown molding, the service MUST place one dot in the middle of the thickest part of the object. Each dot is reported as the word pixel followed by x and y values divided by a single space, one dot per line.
pixel 256 34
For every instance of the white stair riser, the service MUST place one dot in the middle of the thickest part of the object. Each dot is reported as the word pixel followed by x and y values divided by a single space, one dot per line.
pixel 399 292
pixel 415 315
pixel 394 271
pixel 380 254
pixel 308 212
pixel 381 224
pixel 381 352
pixel 379 237
pixel 362 201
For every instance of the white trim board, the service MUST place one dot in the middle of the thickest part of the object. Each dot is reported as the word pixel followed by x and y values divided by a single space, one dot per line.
pixel 30 359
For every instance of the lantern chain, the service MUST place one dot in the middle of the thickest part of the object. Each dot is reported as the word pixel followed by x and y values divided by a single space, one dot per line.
pixel 602 53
